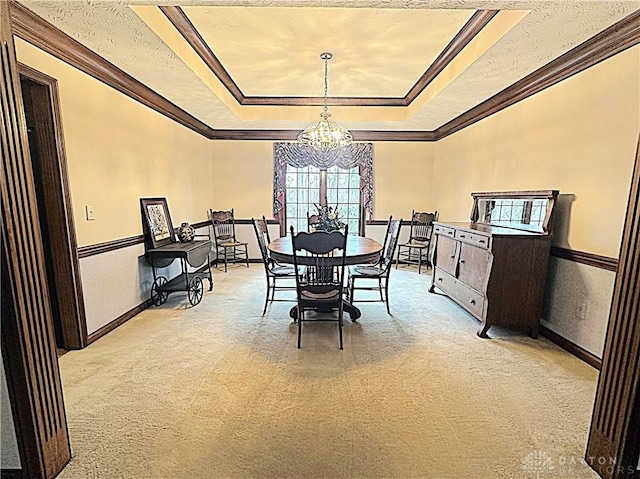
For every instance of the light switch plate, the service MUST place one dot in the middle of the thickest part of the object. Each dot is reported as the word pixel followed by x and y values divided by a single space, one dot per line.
pixel 89 211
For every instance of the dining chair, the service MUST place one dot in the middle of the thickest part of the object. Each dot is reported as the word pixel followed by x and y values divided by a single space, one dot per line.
pixel 273 271
pixel 378 273
pixel 416 249
pixel 320 288
pixel 227 247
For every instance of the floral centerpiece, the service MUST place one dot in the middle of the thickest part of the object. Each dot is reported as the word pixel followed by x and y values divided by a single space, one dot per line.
pixel 327 218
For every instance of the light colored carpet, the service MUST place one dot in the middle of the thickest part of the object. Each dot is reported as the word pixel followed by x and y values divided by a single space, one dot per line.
pixel 219 391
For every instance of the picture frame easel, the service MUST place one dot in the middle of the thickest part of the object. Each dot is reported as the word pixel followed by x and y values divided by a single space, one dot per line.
pixel 158 228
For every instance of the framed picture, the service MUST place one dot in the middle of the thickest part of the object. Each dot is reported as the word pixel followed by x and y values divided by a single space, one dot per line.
pixel 157 221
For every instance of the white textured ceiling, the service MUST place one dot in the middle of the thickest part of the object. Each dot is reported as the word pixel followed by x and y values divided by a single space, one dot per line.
pixel 381 48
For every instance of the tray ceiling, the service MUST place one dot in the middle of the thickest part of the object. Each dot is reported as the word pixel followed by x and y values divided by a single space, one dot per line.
pixel 269 74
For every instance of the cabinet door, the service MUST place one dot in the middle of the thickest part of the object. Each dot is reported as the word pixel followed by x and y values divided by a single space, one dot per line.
pixel 446 249
pixel 472 266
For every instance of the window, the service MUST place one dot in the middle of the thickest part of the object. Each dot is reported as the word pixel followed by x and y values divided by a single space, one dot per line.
pixel 304 176
pixel 335 187
pixel 515 211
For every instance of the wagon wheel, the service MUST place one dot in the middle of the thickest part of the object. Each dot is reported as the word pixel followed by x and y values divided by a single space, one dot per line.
pixel 195 290
pixel 158 297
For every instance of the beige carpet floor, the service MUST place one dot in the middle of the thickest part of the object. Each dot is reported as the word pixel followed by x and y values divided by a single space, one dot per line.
pixel 220 391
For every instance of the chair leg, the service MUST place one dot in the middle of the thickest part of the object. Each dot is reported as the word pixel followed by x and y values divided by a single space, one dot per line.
pixel 380 288
pixel 386 294
pixel 266 299
pixel 300 315
pixel 246 255
pixel 340 317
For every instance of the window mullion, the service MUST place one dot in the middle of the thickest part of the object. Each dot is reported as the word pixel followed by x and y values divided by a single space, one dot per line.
pixel 323 188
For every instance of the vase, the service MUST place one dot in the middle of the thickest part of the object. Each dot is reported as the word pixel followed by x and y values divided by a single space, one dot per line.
pixel 185 232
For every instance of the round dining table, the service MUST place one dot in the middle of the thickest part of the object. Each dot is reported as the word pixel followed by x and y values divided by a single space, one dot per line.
pixel 360 250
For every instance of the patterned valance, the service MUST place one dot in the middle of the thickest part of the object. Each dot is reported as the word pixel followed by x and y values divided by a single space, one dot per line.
pixel 298 155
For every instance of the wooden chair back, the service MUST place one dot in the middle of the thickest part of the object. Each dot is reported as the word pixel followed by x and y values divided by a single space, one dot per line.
pixel 262 235
pixel 324 260
pixel 223 222
pixel 422 226
pixel 390 243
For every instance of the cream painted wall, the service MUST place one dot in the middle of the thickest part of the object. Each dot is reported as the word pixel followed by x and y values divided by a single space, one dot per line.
pixel 578 137
pixel 119 151
pixel 243 178
pixel 403 179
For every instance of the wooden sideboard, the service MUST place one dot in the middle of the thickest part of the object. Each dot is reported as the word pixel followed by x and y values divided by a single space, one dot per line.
pixel 496 267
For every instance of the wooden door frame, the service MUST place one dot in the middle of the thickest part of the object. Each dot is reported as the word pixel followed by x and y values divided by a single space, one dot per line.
pixel 28 343
pixel 614 445
pixel 60 223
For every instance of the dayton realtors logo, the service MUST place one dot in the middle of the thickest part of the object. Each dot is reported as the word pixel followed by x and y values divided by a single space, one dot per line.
pixel 537 462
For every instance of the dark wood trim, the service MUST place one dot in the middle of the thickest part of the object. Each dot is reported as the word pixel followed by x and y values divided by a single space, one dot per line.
pixel 183 25
pixel 120 243
pixel 27 336
pixel 475 24
pixel 100 248
pixel 611 41
pixel 120 320
pixel 590 259
pixel 12 474
pixel 607 43
pixel 385 222
pixel 571 347
pixel 363 101
pixel 291 135
pixel 45 36
pixel 613 436
pixel 62 243
pixel 201 224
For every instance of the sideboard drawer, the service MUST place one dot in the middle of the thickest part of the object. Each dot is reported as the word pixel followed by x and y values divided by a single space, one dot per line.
pixel 472 238
pixel 469 299
pixel 443 230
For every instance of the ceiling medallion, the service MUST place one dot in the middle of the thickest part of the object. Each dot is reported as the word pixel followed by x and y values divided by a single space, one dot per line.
pixel 326 134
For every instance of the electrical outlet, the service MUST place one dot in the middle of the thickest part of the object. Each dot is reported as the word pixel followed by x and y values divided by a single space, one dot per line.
pixel 581 312
pixel 89 211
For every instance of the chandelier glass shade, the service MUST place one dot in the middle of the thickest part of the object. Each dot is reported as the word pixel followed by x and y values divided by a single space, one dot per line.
pixel 326 134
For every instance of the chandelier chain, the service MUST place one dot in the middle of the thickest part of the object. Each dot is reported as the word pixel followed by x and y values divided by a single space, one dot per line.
pixel 326 82
pixel 326 134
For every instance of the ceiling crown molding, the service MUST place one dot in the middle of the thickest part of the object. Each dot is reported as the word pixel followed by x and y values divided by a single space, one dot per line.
pixel 609 42
pixel 45 36
pixel 34 29
pixel 468 32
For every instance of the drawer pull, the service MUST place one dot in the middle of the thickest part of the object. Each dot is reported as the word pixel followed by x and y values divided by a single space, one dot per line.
pixel 480 241
pixel 440 279
pixel 461 261
pixel 472 301
pixel 462 236
pixel 449 232
pixel 452 256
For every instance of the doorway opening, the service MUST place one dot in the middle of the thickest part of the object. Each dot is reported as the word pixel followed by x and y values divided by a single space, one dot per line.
pixel 48 162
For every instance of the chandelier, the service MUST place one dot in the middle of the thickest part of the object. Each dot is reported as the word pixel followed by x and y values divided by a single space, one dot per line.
pixel 326 134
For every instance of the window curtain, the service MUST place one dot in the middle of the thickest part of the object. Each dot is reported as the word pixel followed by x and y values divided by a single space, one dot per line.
pixel 298 156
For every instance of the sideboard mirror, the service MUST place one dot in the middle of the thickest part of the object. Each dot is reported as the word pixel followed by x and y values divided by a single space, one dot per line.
pixel 525 210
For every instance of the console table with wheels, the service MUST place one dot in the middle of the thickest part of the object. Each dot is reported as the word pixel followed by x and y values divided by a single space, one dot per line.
pixel 194 254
